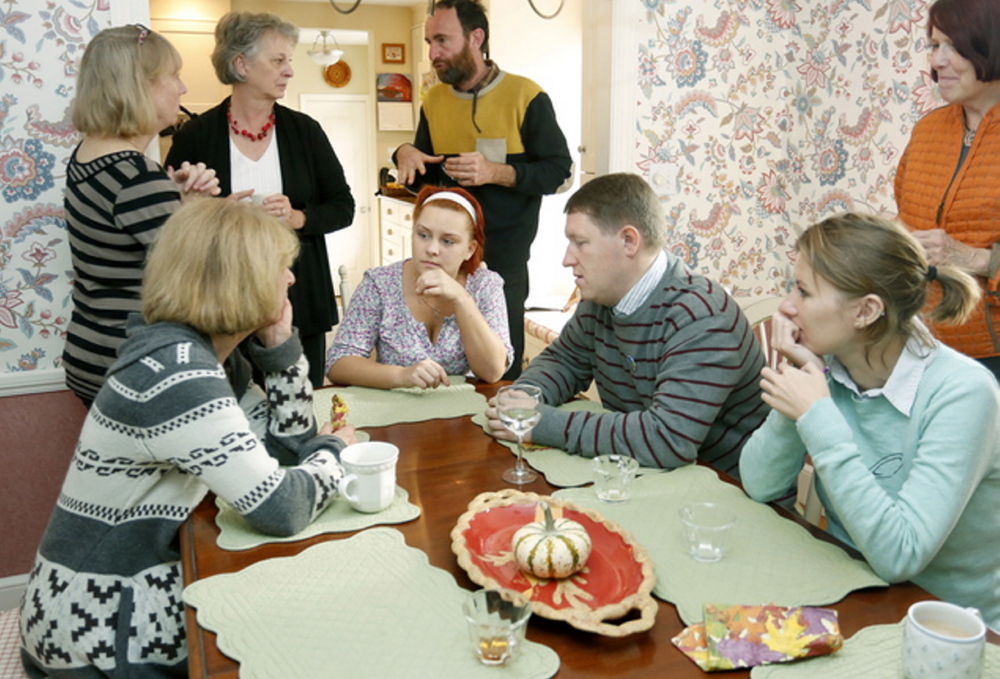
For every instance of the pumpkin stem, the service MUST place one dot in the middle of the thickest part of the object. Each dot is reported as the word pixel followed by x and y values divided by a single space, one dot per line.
pixel 550 524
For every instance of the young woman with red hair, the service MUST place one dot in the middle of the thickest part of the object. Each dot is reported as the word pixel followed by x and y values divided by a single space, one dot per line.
pixel 438 313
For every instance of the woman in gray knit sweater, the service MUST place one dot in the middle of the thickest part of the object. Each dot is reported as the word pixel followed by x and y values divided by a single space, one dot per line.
pixel 175 419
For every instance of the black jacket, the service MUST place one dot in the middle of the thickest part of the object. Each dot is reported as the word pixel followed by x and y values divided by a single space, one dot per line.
pixel 313 180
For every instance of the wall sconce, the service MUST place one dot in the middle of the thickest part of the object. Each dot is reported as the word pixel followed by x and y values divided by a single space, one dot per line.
pixel 325 55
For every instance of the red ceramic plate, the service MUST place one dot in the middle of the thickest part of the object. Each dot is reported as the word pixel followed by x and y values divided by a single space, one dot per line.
pixel 618 576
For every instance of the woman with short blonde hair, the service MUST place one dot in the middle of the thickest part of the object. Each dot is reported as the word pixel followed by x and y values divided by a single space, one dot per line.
pixel 128 89
pixel 112 89
pixel 214 270
pixel 903 431
pixel 177 418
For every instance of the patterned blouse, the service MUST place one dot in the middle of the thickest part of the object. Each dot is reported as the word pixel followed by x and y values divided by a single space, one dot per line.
pixel 378 318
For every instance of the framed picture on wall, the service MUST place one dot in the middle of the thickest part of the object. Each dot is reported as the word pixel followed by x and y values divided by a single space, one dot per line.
pixel 393 53
pixel 393 87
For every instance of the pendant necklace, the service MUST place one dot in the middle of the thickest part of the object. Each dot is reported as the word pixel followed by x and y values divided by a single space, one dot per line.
pixel 970 135
pixel 238 131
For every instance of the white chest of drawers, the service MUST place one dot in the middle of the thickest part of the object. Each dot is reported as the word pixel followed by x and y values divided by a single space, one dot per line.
pixel 395 229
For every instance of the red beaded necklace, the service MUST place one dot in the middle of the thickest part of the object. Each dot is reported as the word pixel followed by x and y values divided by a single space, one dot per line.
pixel 246 133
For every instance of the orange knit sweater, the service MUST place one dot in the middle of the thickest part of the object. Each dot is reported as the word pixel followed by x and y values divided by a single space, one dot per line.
pixel 930 195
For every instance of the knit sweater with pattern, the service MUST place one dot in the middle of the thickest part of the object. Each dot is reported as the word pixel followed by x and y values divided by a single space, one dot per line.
pixel 680 374
pixel 104 596
pixel 933 192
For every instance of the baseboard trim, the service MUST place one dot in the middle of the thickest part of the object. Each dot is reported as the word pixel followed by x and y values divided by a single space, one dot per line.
pixel 11 591
pixel 32 382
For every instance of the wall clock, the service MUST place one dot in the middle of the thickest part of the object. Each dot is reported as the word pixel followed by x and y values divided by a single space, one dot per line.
pixel 338 74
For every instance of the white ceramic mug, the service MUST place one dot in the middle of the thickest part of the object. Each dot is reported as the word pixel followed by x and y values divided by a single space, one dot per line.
pixel 370 483
pixel 943 641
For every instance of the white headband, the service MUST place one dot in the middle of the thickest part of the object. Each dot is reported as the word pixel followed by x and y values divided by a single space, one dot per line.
pixel 454 198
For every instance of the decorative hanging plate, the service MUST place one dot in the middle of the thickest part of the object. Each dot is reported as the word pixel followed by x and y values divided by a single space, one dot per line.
pixel 618 577
pixel 338 74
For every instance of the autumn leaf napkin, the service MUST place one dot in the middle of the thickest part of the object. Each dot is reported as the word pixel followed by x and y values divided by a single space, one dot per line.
pixel 734 637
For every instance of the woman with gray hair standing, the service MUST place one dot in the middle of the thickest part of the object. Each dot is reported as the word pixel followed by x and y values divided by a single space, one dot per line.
pixel 261 148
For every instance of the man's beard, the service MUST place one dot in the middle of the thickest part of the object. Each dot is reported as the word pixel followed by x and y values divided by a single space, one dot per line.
pixel 460 68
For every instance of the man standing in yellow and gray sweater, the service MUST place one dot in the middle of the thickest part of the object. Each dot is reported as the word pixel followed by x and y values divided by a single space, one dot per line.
pixel 494 134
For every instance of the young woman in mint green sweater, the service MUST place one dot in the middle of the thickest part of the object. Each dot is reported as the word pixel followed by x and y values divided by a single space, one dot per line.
pixel 904 432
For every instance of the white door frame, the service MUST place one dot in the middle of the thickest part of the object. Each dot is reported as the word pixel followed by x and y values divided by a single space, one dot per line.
pixel 364 201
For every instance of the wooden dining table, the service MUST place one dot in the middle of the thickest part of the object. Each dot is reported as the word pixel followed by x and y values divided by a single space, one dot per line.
pixel 443 465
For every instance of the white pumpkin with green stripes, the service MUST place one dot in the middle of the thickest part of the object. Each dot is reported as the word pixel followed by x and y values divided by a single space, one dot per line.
pixel 553 548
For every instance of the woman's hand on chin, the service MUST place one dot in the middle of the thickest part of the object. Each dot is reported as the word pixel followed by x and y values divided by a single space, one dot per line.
pixel 792 391
pixel 439 283
pixel 278 332
pixel 785 337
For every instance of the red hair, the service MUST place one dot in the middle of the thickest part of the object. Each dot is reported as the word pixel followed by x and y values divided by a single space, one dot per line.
pixel 477 227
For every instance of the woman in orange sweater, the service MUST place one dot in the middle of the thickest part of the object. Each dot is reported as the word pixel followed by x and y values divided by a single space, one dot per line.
pixel 946 184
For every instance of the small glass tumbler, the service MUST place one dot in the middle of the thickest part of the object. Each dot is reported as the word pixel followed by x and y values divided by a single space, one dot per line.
pixel 707 527
pixel 613 476
pixel 497 624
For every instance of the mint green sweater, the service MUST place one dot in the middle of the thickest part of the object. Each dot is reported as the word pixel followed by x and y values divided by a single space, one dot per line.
pixel 917 495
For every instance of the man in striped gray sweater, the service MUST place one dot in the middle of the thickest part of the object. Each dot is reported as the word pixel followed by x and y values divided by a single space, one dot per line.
pixel 671 352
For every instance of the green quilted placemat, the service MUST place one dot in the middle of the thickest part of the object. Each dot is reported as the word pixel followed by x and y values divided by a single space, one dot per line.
pixel 338 517
pixel 873 653
pixel 364 607
pixel 382 407
pixel 770 559
pixel 559 468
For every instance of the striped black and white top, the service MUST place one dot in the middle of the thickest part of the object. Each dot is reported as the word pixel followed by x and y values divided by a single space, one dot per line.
pixel 115 205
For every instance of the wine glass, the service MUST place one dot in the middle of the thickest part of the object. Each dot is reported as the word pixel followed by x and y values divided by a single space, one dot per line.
pixel 517 406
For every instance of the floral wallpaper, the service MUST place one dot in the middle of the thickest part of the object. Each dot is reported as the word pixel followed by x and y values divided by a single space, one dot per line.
pixel 756 118
pixel 40 44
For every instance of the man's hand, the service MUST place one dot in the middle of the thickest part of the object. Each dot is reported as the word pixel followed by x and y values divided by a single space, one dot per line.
pixel 472 169
pixel 495 428
pixel 411 161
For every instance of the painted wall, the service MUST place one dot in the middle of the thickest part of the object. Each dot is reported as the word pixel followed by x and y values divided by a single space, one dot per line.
pixel 549 51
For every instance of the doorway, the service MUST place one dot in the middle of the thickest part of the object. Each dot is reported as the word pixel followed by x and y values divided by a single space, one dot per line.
pixel 347 121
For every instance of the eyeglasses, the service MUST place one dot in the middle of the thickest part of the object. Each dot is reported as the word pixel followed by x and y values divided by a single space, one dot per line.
pixel 143 32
